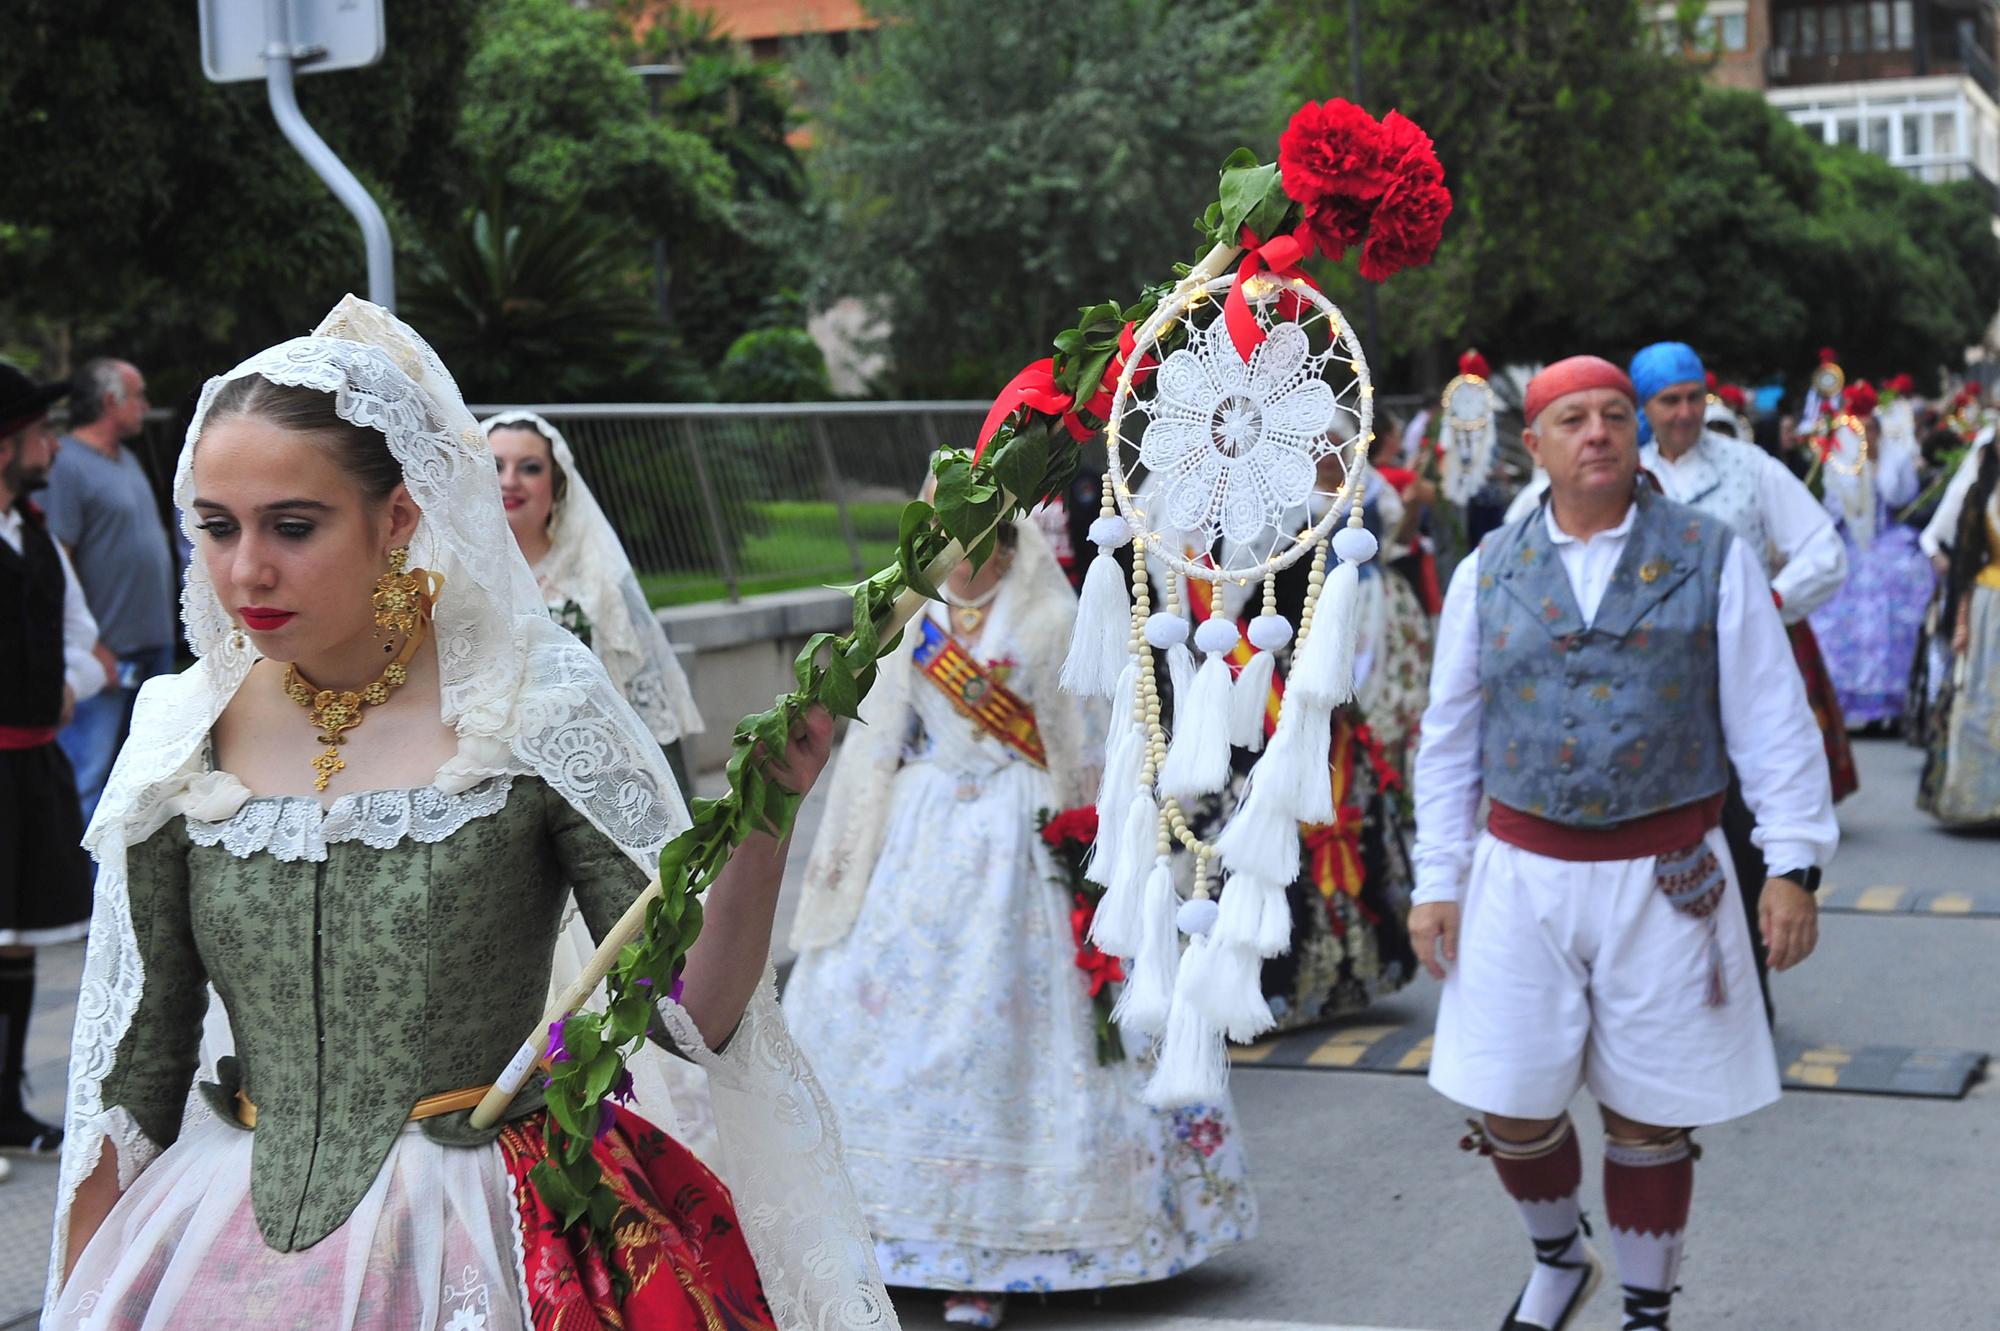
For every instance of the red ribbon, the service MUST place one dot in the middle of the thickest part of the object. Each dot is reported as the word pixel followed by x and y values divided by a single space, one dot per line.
pixel 1281 257
pixel 1035 387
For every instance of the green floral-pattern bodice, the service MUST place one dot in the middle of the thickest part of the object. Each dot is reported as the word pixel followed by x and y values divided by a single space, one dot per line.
pixel 394 946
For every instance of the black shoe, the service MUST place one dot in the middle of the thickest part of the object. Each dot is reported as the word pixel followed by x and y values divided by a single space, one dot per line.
pixel 1592 1267
pixel 23 1132
pixel 1646 1309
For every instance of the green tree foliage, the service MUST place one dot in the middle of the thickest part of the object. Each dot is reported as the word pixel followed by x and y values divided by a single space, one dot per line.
pixel 1606 198
pixel 1551 118
pixel 1771 245
pixel 775 365
pixel 526 292
pixel 154 214
pixel 552 105
pixel 987 167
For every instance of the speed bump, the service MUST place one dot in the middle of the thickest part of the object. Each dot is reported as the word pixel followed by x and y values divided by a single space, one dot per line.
pixel 1858 1070
pixel 1895 899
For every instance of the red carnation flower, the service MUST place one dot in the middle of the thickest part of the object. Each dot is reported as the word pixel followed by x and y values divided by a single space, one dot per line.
pixel 1330 150
pixel 1475 364
pixel 1407 152
pixel 1406 228
pixel 1338 224
pixel 1077 825
pixel 1862 398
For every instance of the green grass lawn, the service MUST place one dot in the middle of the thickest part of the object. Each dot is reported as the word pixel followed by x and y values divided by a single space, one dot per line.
pixel 799 544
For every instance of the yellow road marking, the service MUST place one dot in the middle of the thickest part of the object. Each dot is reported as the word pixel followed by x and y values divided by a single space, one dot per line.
pixel 1418 1057
pixel 1346 1047
pixel 1252 1053
pixel 1881 898
pixel 1952 903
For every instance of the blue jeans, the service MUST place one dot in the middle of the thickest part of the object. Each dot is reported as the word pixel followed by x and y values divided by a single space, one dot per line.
pixel 94 735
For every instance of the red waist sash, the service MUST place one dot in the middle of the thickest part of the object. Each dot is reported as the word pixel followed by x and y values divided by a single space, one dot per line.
pixel 26 737
pixel 1655 834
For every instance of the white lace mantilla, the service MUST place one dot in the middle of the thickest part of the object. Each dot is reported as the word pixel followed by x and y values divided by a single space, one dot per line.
pixel 523 696
pixel 296 827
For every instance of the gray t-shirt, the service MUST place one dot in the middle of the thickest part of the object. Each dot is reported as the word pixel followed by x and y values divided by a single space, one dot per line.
pixel 104 511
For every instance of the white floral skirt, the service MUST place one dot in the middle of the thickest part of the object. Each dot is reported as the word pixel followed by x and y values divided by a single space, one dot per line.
pixel 433 1246
pixel 954 1033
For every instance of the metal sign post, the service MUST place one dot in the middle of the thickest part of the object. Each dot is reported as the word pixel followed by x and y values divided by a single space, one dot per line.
pixel 241 40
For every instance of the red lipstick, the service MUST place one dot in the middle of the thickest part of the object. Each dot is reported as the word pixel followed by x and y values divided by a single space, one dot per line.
pixel 263 620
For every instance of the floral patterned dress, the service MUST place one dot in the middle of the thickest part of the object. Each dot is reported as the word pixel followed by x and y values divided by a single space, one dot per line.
pixel 956 1037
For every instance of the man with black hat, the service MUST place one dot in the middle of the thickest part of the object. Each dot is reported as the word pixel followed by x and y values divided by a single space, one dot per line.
pixel 49 641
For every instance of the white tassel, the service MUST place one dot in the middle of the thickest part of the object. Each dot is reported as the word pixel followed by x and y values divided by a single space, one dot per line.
pixel 1148 993
pixel 1322 671
pixel 1231 995
pixel 1180 672
pixel 1246 904
pixel 1274 931
pixel 1198 759
pixel 1293 770
pixel 1193 1067
pixel 1116 926
pixel 1122 762
pixel 1101 641
pixel 1262 838
pixel 1248 699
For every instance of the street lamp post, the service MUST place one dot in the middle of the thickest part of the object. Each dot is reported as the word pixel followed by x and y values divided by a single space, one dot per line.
pixel 658 77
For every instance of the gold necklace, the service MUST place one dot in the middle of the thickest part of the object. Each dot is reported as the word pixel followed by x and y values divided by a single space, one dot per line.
pixel 334 714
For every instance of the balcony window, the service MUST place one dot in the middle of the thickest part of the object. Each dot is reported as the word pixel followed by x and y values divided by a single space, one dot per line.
pixel 1879 34
pixel 1735 32
pixel 1944 134
pixel 1847 132
pixel 1857 28
pixel 1906 24
pixel 1878 135
pixel 1788 29
pixel 1912 126
pixel 1809 32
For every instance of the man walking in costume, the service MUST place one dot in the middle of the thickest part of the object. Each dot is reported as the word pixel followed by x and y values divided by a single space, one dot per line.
pixel 1601 664
pixel 1782 527
pixel 49 642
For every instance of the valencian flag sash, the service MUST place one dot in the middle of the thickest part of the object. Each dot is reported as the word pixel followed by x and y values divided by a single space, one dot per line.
pixel 1333 851
pixel 990 705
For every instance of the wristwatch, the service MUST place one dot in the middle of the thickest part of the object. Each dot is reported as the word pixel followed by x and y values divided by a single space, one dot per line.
pixel 1806 878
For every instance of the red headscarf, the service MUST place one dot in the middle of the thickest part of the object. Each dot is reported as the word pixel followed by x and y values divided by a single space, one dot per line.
pixel 1576 374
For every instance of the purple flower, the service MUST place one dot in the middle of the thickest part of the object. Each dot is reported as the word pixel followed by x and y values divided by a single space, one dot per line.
pixel 675 992
pixel 607 1119
pixel 621 1090
pixel 557 1053
pixel 644 982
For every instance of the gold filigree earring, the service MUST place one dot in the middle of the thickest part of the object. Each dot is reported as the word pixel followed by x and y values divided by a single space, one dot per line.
pixel 403 596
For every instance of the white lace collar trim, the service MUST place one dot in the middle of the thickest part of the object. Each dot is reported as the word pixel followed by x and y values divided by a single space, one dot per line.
pixel 294 827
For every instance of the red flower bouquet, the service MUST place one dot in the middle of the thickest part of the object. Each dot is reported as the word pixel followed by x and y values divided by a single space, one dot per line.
pixel 1359 181
pixel 1069 835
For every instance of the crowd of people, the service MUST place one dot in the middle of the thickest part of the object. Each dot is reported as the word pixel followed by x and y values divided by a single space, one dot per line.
pixel 431 743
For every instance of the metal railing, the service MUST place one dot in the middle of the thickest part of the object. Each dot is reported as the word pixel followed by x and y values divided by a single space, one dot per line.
pixel 729 499
pixel 716 500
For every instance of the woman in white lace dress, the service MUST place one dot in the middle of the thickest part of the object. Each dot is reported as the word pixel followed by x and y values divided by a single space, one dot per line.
pixel 588 582
pixel 357 816
pixel 939 987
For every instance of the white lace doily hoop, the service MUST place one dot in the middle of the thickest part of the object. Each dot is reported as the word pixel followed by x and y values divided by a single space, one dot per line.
pixel 1215 477
pixel 1231 448
pixel 1467 406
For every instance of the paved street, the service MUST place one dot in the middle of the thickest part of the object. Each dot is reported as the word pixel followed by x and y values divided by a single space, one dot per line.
pixel 1830 1211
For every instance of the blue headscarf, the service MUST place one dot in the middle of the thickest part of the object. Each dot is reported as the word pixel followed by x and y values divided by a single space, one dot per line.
pixel 1659 366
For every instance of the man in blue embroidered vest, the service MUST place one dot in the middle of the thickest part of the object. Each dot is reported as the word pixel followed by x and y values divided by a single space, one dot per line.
pixel 1601 665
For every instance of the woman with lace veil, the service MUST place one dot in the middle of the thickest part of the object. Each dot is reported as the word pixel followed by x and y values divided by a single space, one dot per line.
pixel 585 577
pixel 357 816
pixel 940 981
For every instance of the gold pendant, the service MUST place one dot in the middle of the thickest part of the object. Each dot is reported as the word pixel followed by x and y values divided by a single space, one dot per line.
pixel 326 765
pixel 967 618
